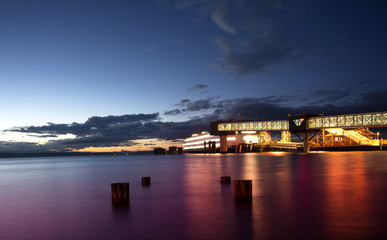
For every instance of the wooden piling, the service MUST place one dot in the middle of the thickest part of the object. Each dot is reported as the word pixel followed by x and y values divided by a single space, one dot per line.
pixel 159 151
pixel 146 181
pixel 225 179
pixel 243 189
pixel 120 192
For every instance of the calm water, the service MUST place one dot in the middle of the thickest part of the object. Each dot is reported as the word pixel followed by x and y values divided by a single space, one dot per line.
pixel 295 196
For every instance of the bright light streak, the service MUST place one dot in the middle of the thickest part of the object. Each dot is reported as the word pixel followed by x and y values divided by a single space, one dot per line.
pixel 250 139
pixel 199 147
pixel 198 137
pixel 248 132
pixel 277 153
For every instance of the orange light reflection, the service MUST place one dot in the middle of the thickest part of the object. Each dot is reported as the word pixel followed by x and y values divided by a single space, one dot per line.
pixel 347 183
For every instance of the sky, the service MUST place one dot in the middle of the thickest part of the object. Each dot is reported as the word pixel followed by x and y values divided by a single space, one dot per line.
pixel 112 75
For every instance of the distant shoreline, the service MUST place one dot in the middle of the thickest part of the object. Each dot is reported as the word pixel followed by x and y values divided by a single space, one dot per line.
pixel 58 154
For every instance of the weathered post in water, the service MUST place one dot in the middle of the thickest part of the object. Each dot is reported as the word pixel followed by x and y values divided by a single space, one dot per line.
pixel 120 192
pixel 243 189
pixel 146 181
pixel 225 179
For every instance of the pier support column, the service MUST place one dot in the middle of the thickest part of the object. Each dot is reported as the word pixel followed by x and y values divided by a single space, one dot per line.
pixel 306 142
pixel 223 144
pixel 213 150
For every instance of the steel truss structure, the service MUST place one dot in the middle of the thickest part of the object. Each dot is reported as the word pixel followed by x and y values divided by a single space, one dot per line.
pixel 378 119
pixel 282 125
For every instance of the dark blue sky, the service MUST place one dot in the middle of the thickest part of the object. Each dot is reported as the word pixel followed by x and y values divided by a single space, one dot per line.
pixel 85 73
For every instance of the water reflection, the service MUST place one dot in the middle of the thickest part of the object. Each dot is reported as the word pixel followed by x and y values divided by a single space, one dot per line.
pixel 207 210
pixel 347 197
pixel 295 196
pixel 244 220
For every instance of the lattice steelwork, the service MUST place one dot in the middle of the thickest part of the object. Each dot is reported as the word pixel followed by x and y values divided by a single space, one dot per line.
pixel 378 119
pixel 282 125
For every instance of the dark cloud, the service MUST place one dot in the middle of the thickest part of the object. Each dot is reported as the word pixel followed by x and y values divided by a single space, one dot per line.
pixel 44 136
pixel 182 102
pixel 187 105
pixel 92 126
pixel 256 54
pixel 108 131
pixel 267 109
pixel 198 88
pixel 367 82
pixel 328 102
pixel 199 105
pixel 96 131
pixel 374 100
pixel 256 33
pixel 173 112
pixel 331 96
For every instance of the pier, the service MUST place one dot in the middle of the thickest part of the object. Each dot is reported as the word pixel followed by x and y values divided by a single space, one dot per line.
pixel 317 132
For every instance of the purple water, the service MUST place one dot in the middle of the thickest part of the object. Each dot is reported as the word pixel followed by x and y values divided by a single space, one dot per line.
pixel 295 196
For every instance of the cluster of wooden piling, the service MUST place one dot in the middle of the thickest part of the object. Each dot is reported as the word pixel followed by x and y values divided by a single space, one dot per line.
pixel 243 189
pixel 120 192
pixel 159 151
pixel 175 150
pixel 211 148
pixel 172 150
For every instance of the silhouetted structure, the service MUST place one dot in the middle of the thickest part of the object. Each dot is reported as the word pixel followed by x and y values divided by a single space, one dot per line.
pixel 159 151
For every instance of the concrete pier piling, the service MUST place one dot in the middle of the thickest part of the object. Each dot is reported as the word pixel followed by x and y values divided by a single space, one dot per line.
pixel 243 189
pixel 225 179
pixel 146 181
pixel 120 192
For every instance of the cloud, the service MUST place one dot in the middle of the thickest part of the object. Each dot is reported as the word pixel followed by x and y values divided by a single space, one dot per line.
pixel 107 131
pixel 245 56
pixel 183 102
pixel 198 88
pixel 96 131
pixel 328 102
pixel 173 112
pixel 191 106
pixel 255 33
pixel 269 109
pixel 92 126
pixel 187 105
pixel 220 17
pixel 331 96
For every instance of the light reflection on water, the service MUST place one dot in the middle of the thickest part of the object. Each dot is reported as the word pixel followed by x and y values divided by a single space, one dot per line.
pixel 295 196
